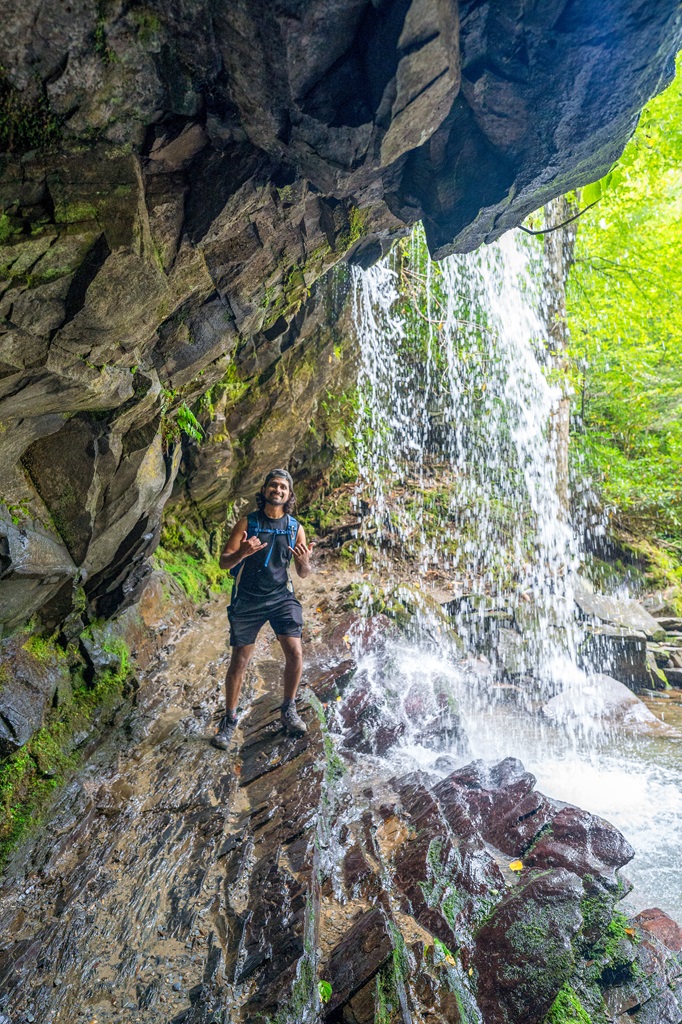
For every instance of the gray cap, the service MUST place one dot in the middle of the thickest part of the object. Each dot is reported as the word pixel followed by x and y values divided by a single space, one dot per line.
pixel 280 472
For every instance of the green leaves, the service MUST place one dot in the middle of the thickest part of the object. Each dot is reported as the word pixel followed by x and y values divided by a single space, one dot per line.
pixel 188 422
pixel 591 194
pixel 325 991
pixel 625 321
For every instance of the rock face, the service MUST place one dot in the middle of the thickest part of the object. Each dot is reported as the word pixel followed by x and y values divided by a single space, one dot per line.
pixel 176 178
pixel 233 884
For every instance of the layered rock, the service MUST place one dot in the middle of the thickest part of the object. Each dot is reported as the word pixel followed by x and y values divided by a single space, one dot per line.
pixel 285 882
pixel 175 180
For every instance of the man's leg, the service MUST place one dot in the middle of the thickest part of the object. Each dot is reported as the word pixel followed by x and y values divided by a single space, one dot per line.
pixel 234 678
pixel 293 665
pixel 233 687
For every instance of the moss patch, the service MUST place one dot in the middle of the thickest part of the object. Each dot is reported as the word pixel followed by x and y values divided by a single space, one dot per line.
pixel 184 553
pixel 25 125
pixel 567 1009
pixel 29 778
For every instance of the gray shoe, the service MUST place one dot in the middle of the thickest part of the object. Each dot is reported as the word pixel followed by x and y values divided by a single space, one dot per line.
pixel 223 737
pixel 292 721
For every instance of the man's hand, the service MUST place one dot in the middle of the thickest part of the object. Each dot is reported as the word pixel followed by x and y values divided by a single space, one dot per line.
pixel 302 555
pixel 250 545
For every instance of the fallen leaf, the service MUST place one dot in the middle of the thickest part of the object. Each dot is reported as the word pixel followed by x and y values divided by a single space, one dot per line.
pixel 631 932
pixel 471 971
pixel 516 865
pixel 450 960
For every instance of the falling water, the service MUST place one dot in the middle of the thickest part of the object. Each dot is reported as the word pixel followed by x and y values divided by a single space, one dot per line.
pixel 455 453
pixel 458 477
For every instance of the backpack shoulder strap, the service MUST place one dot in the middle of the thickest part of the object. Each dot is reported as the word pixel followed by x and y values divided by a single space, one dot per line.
pixel 293 531
pixel 253 524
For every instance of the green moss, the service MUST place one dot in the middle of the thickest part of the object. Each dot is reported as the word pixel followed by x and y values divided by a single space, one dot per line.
pixel 148 26
pixel 439 889
pixel 29 778
pixel 42 649
pixel 6 228
pixel 567 1009
pixel 75 212
pixel 335 767
pixel 184 553
pixel 25 125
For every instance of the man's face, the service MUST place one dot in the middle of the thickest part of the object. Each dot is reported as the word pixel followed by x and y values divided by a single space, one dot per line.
pixel 276 491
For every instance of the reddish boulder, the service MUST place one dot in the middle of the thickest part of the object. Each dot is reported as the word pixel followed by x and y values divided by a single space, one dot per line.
pixel 524 951
pixel 657 923
pixel 583 843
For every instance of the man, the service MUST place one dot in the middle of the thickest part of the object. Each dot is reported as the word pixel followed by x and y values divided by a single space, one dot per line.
pixel 258 554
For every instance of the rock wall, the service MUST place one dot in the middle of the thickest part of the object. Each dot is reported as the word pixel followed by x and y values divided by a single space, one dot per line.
pixel 175 179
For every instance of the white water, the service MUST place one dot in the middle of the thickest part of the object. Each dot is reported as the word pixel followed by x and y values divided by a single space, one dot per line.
pixel 466 413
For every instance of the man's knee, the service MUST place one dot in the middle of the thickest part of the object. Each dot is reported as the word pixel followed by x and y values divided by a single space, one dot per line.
pixel 240 658
pixel 293 653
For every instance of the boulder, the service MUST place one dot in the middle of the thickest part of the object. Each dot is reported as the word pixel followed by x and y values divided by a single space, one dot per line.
pixel 626 615
pixel 658 923
pixel 620 653
pixel 524 952
pixel 606 702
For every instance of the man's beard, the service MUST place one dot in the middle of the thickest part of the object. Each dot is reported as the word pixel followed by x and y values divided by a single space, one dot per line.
pixel 276 501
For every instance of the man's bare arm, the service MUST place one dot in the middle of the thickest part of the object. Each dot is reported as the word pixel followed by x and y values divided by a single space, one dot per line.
pixel 239 546
pixel 302 554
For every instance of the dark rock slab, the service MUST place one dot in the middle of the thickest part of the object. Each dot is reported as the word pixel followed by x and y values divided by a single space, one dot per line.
pixel 583 843
pixel 359 955
pixel 523 952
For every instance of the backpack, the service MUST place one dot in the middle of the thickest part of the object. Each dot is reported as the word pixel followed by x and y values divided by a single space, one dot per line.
pixel 255 529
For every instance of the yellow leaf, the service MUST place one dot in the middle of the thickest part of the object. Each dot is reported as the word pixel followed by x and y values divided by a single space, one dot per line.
pixel 347 639
pixel 516 865
pixel 471 971
pixel 631 932
pixel 450 960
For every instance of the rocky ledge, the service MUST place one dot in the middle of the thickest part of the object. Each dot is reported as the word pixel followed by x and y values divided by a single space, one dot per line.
pixel 295 880
pixel 175 178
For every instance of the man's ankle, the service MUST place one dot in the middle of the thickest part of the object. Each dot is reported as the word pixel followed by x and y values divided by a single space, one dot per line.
pixel 287 702
pixel 231 713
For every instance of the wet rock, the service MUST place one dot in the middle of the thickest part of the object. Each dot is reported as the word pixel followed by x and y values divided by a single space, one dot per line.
pixel 523 952
pixel 496 802
pixel 619 613
pixel 674 676
pixel 363 949
pixel 582 843
pixel 620 653
pixel 32 677
pixel 607 701
pixel 659 924
pixel 671 624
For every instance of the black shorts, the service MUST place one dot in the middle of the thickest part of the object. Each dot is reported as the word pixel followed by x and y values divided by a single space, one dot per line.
pixel 250 614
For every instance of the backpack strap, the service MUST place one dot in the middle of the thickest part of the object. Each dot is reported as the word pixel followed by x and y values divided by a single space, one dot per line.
pixel 252 530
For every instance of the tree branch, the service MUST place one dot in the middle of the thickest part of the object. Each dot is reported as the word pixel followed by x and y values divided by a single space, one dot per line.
pixel 548 231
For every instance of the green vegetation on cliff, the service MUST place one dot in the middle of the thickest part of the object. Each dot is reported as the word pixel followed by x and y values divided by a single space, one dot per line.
pixel 30 777
pixel 625 322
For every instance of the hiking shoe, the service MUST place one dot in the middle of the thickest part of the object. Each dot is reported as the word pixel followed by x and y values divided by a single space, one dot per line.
pixel 292 721
pixel 223 737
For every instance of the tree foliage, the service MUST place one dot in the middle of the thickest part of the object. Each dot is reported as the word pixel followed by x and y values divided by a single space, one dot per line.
pixel 625 320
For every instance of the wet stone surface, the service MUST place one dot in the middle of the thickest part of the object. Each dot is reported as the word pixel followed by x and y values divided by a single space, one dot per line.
pixel 176 884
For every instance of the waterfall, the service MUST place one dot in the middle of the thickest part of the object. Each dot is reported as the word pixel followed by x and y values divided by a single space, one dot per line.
pixel 455 454
pixel 458 478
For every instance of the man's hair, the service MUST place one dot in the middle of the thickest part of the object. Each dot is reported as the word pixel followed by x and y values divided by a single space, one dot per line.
pixel 290 504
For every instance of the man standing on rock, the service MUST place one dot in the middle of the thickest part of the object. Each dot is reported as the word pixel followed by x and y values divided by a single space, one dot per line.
pixel 258 554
